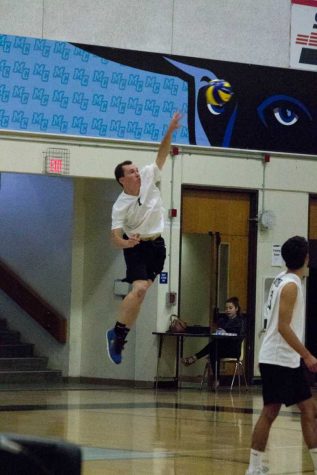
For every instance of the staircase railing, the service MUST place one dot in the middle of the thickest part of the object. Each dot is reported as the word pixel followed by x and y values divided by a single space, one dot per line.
pixel 32 303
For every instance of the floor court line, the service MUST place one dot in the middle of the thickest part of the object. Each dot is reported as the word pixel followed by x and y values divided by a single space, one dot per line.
pixel 155 405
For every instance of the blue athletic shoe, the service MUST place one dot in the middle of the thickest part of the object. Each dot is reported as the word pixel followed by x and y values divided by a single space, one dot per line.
pixel 115 346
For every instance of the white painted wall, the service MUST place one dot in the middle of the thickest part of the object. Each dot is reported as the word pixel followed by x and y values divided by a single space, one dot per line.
pixel 96 264
pixel 233 30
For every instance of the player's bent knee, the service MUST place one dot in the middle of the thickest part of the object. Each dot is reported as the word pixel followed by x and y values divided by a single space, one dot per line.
pixel 271 416
pixel 140 289
pixel 271 412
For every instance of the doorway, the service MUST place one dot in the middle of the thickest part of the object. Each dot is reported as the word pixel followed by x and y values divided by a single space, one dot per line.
pixel 311 296
pixel 218 256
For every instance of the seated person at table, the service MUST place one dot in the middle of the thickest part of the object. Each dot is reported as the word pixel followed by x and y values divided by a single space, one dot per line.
pixel 231 322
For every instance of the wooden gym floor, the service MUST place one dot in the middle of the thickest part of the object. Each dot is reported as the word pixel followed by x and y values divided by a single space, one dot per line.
pixel 136 431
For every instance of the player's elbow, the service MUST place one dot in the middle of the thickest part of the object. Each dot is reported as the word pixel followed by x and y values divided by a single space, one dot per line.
pixel 282 328
pixel 115 240
pixel 159 164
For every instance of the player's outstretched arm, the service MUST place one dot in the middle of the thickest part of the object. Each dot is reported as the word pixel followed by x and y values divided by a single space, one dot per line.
pixel 167 139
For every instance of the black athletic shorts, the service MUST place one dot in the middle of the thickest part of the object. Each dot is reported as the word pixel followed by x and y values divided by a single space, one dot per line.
pixel 145 260
pixel 284 385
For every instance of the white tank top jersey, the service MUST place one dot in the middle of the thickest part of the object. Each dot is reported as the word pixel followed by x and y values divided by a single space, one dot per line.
pixel 143 214
pixel 274 349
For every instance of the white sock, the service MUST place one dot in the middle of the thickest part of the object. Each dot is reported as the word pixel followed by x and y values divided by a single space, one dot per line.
pixel 313 454
pixel 255 459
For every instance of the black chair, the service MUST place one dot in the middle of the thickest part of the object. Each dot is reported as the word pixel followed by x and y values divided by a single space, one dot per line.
pixel 238 370
pixel 26 455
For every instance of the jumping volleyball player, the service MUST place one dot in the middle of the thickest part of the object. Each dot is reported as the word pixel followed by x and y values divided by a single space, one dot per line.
pixel 137 224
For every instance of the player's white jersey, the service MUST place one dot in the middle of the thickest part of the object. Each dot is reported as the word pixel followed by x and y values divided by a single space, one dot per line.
pixel 274 349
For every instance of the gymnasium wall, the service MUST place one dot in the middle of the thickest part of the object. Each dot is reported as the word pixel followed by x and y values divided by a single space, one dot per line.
pixel 236 30
pixel 244 31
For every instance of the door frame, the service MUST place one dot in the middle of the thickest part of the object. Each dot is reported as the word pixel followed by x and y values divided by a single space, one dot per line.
pixel 311 323
pixel 251 269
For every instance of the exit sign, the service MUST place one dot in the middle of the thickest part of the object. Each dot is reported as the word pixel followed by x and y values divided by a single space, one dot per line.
pixel 57 161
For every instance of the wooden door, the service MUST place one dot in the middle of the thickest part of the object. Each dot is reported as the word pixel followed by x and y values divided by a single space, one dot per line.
pixel 226 213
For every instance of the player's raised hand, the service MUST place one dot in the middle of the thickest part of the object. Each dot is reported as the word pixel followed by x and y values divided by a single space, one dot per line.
pixel 175 122
pixel 166 142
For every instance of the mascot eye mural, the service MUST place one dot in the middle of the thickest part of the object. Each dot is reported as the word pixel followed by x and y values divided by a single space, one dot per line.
pixel 268 108
pixel 64 88
pixel 286 110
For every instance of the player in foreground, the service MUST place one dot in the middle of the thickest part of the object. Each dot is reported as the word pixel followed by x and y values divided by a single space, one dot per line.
pixel 283 358
pixel 137 224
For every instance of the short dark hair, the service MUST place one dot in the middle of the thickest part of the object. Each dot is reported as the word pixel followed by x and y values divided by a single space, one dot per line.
pixel 294 252
pixel 118 171
pixel 235 302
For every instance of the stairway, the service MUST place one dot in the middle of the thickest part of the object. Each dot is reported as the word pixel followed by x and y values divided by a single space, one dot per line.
pixel 18 363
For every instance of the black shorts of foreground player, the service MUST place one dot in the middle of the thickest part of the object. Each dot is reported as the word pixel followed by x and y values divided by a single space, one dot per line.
pixel 137 225
pixel 284 360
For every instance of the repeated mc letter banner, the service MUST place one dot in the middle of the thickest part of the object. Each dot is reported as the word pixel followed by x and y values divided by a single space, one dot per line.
pixel 90 91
